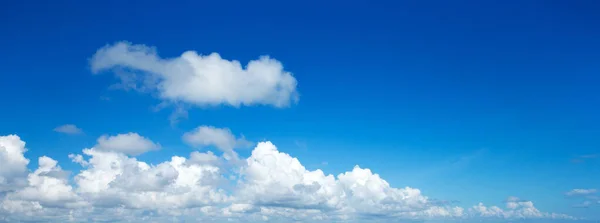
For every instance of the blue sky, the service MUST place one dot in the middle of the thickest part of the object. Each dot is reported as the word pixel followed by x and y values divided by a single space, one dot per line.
pixel 468 101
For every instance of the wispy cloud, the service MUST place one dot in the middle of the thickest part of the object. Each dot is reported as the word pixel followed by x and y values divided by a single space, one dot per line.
pixel 589 156
pixel 583 158
pixel 453 164
pixel 581 192
pixel 301 144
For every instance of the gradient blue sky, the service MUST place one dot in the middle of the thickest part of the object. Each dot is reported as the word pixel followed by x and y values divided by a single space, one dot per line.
pixel 469 101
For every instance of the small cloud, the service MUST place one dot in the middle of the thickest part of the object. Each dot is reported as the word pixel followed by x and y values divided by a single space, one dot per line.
pixel 593 197
pixel 221 138
pixel 104 98
pixel 513 199
pixel 301 144
pixel 584 158
pixel 131 144
pixel 590 201
pixel 69 129
pixel 581 192
pixel 78 158
pixel 585 204
pixel 179 113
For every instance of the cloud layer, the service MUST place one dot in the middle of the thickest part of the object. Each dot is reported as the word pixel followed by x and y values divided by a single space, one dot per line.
pixel 270 186
pixel 201 80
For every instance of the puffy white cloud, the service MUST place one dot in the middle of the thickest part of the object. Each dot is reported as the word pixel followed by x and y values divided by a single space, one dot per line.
pixel 273 179
pixel 48 186
pixel 198 79
pixel 13 164
pixel 68 129
pixel 221 138
pixel 130 144
pixel 581 192
pixel 114 179
pixel 46 196
pixel 272 186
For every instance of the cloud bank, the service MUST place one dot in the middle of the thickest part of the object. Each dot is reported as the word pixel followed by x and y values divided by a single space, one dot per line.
pixel 271 186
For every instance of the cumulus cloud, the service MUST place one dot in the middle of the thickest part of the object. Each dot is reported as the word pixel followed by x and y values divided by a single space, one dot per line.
pixel 48 186
pixel 276 181
pixel 114 179
pixel 13 164
pixel 272 186
pixel 201 80
pixel 69 129
pixel 129 143
pixel 581 192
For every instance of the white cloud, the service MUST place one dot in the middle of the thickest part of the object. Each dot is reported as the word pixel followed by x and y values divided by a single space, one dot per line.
pixel 114 179
pixel 68 129
pixel 221 138
pixel 272 186
pixel 202 80
pixel 276 180
pixel 78 158
pixel 204 158
pixel 48 186
pixel 13 164
pixel 130 144
pixel 581 192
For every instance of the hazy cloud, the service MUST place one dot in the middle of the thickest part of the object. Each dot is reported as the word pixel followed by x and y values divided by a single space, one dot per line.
pixel 581 192
pixel 68 129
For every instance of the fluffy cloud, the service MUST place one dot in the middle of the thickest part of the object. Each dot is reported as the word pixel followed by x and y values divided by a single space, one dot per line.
pixel 13 165
pixel 68 129
pixel 130 144
pixel 114 179
pixel 199 80
pixel 48 186
pixel 272 186
pixel 581 192
pixel 275 180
